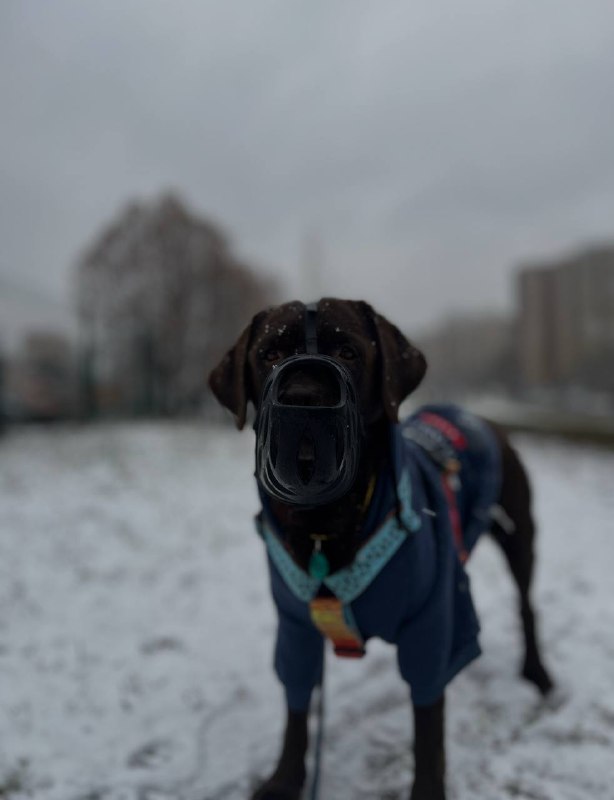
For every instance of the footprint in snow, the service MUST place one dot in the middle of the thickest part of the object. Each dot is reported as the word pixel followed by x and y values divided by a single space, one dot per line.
pixel 154 754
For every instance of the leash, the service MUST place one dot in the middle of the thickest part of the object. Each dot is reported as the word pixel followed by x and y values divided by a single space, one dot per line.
pixel 317 756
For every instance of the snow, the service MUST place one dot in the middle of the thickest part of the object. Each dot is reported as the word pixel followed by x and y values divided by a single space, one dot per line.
pixel 136 632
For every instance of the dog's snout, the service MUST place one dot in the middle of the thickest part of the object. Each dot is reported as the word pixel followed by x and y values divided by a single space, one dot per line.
pixel 306 459
pixel 309 387
pixel 304 394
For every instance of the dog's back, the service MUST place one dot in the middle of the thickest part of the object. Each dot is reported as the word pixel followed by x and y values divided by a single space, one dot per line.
pixel 468 459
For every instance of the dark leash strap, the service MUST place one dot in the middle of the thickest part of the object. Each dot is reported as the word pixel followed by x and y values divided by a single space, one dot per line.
pixel 317 755
pixel 311 339
pixel 311 348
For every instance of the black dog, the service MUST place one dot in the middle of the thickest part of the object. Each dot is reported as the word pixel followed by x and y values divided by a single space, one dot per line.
pixel 313 545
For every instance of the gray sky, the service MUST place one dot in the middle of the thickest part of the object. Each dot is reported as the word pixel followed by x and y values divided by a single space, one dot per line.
pixel 427 146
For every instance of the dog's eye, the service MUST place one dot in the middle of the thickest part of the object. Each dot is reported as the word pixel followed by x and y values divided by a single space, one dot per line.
pixel 271 355
pixel 347 353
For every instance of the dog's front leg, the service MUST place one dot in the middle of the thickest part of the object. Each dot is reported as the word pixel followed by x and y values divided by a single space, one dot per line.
pixel 429 754
pixel 287 780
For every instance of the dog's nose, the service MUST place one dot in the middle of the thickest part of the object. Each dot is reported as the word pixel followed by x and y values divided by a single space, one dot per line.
pixel 303 387
pixel 304 394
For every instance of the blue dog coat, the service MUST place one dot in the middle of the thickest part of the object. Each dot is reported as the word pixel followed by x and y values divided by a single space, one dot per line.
pixel 406 584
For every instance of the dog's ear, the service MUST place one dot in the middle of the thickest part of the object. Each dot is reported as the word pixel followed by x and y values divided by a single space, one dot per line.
pixel 229 381
pixel 402 365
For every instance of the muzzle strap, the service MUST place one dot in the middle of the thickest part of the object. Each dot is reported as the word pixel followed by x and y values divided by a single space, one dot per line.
pixel 311 339
pixel 330 434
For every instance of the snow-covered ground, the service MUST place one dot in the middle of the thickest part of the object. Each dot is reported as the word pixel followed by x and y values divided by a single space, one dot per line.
pixel 136 632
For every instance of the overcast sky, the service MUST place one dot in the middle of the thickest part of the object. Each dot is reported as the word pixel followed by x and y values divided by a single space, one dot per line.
pixel 427 147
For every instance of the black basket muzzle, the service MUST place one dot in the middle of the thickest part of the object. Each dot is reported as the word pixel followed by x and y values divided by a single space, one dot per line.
pixel 307 454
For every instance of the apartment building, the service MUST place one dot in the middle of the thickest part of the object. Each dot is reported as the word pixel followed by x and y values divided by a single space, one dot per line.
pixel 565 330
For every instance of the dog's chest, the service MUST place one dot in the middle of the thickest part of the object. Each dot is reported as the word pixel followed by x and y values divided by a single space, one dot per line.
pixel 406 584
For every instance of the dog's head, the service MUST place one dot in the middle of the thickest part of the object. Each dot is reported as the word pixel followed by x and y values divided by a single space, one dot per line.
pixel 384 365
pixel 319 377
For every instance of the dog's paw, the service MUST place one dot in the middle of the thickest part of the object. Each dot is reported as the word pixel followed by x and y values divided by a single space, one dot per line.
pixel 273 790
pixel 536 673
pixel 424 790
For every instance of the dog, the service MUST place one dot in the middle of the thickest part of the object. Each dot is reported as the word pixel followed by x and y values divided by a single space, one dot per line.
pixel 402 497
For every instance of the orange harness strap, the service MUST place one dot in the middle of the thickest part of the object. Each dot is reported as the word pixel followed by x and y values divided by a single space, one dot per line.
pixel 448 480
pixel 328 615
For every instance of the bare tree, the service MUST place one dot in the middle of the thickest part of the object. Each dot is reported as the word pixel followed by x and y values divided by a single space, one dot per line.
pixel 157 292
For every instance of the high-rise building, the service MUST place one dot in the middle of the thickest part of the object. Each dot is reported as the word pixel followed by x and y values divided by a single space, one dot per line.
pixel 566 319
